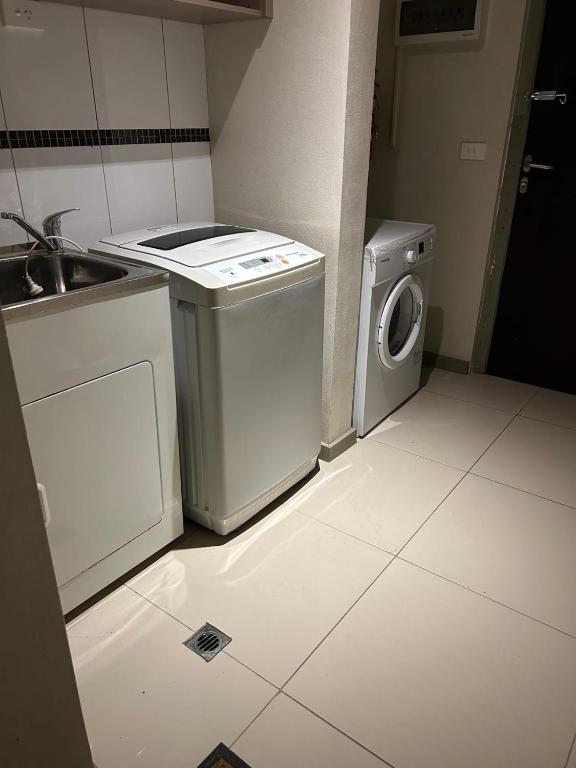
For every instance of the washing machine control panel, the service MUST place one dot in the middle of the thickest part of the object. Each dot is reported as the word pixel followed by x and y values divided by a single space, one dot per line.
pixel 389 264
pixel 256 266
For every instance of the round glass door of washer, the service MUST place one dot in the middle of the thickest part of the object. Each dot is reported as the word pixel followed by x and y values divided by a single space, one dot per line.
pixel 400 321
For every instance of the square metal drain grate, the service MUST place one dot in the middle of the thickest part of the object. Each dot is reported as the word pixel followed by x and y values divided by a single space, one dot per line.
pixel 207 642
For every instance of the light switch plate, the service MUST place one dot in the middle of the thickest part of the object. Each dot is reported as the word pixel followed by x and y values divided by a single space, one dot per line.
pixel 23 14
pixel 473 150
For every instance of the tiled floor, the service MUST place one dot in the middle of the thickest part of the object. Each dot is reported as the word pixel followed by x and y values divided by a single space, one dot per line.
pixel 412 605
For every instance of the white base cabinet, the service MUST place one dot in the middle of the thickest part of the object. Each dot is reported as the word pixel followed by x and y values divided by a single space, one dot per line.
pixel 102 433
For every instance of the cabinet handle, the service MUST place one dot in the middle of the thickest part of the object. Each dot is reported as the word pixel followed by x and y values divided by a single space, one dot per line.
pixel 44 504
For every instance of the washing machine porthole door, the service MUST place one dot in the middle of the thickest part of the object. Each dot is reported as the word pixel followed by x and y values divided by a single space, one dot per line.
pixel 400 321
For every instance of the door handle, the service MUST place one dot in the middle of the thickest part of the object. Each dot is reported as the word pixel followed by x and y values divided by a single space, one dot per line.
pixel 44 504
pixel 549 96
pixel 528 165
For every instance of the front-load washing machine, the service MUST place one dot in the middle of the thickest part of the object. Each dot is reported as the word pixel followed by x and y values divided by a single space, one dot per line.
pixel 247 312
pixel 396 275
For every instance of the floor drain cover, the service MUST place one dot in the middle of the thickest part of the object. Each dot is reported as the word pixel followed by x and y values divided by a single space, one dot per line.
pixel 207 642
pixel 222 757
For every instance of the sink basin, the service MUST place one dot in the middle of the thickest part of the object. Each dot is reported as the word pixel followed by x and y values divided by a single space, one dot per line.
pixel 83 278
pixel 78 272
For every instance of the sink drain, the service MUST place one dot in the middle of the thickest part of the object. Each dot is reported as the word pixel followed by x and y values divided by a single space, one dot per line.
pixel 207 642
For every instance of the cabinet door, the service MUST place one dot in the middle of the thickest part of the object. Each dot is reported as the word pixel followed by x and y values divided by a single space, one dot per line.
pixel 95 452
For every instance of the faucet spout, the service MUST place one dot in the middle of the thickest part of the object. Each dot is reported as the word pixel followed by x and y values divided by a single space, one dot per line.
pixel 35 233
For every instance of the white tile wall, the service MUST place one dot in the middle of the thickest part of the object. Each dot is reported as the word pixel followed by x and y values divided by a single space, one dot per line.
pixel 140 183
pixel 9 200
pixel 193 179
pixel 9 194
pixel 140 72
pixel 55 179
pixel 186 73
pixel 128 68
pixel 45 76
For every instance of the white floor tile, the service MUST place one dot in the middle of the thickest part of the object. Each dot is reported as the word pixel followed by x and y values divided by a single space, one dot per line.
pixel 140 184
pixel 506 544
pixel 535 457
pixel 286 735
pixel 377 493
pixel 276 589
pixel 555 407
pixel 441 428
pixel 481 389
pixel 429 675
pixel 147 700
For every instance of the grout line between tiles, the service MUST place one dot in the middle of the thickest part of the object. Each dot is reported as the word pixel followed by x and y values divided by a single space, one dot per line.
pixel 443 463
pixel 487 597
pixel 417 531
pixel 466 473
pixel 522 490
pixel 169 118
pixel 374 439
pixel 342 733
pixel 162 610
pixel 375 546
pixel 543 421
pixel 346 533
pixel 13 163
pixel 427 391
pixel 532 396
pixel 192 629
pixel 253 671
pixel 97 119
pixel 360 596
pixel 265 707
pixel 511 420
pixel 479 594
pixel 570 751
pixel 426 388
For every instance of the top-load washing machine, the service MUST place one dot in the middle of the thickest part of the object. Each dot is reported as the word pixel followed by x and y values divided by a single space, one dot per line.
pixel 396 278
pixel 247 317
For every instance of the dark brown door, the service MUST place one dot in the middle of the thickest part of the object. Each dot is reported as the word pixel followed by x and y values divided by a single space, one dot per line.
pixel 534 337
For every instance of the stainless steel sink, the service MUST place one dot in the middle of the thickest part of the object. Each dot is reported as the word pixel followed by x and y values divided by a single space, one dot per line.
pixel 81 279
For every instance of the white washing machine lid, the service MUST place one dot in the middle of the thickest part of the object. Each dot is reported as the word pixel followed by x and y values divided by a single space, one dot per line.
pixel 216 264
pixel 383 235
pixel 197 244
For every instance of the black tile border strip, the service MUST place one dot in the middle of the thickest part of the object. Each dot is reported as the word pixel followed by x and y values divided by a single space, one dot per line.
pixel 100 138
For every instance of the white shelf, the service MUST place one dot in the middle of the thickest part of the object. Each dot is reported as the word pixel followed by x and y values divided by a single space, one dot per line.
pixel 195 11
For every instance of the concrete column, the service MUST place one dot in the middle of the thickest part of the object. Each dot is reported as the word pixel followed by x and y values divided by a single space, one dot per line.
pixel 290 112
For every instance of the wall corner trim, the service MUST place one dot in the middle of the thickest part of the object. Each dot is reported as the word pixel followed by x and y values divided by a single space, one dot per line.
pixel 330 451
pixel 454 364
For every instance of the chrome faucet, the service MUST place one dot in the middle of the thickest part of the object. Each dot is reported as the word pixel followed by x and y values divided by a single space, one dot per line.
pixel 37 235
pixel 52 224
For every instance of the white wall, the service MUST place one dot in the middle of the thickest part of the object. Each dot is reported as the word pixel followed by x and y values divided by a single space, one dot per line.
pixel 94 69
pixel 280 93
pixel 446 98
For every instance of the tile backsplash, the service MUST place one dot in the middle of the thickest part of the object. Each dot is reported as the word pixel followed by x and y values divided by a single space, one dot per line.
pixel 108 112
